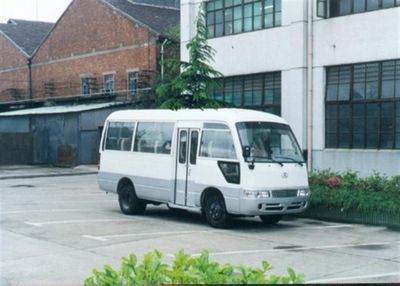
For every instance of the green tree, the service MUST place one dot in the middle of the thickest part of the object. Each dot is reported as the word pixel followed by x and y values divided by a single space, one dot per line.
pixel 171 57
pixel 192 87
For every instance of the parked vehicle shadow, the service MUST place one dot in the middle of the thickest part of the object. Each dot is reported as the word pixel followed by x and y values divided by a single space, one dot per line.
pixel 248 224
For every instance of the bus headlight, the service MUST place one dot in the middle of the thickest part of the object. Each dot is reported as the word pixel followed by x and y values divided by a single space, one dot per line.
pixel 303 192
pixel 256 194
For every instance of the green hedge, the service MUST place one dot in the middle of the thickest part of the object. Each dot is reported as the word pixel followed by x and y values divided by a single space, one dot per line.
pixel 347 191
pixel 185 269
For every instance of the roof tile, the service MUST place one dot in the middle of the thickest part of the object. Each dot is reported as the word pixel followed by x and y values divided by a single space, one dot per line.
pixel 157 18
pixel 27 35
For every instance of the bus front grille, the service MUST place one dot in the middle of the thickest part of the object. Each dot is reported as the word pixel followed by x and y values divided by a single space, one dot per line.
pixel 284 193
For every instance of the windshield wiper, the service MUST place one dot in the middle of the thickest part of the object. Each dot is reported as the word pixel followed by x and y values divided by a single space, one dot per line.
pixel 290 158
pixel 268 159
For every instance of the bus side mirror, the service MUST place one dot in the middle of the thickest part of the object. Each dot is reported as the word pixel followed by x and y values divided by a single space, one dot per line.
pixel 246 152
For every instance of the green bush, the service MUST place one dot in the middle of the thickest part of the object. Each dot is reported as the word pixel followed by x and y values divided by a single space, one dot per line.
pixel 350 180
pixel 185 269
pixel 348 191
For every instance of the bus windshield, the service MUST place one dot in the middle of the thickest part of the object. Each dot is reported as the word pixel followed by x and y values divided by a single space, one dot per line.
pixel 269 142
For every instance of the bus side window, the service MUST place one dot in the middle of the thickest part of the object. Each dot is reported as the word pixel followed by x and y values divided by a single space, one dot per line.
pixel 182 146
pixel 119 136
pixel 194 141
pixel 154 137
pixel 217 144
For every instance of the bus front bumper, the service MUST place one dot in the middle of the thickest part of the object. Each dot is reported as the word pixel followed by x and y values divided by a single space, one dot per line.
pixel 264 206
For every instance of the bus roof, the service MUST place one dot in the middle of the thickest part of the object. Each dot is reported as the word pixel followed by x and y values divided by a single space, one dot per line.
pixel 221 114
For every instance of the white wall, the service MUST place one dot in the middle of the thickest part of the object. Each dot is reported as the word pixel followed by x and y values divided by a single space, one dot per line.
pixel 365 162
pixel 293 102
pixel 370 36
pixel 364 37
pixel 189 10
pixel 276 49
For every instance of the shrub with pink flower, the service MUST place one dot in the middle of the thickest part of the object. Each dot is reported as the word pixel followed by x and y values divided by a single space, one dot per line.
pixel 334 182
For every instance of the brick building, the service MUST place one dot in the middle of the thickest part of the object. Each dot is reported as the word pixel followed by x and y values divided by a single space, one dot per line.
pixel 101 55
pixel 97 49
pixel 19 39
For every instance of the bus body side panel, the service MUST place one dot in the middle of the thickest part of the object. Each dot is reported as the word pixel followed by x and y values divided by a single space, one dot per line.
pixel 206 174
pixel 108 181
pixel 151 174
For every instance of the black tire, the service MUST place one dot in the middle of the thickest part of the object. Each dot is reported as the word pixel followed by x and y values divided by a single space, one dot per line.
pixel 270 219
pixel 215 212
pixel 129 202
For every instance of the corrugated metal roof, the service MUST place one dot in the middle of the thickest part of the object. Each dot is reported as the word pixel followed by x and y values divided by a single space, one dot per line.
pixel 60 109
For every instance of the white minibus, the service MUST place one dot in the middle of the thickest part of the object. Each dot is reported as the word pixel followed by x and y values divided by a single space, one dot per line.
pixel 221 162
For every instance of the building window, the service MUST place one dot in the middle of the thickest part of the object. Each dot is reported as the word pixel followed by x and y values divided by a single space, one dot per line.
pixel 226 17
pixel 335 8
pixel 85 86
pixel 108 84
pixel 362 108
pixel 258 91
pixel 132 83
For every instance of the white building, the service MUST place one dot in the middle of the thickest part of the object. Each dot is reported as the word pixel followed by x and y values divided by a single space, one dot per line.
pixel 262 49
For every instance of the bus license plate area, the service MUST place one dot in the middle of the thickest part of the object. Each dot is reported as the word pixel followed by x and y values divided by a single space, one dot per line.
pixel 273 207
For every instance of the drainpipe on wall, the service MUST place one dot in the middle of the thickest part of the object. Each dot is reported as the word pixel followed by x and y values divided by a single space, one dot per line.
pixel 309 83
pixel 162 58
pixel 29 62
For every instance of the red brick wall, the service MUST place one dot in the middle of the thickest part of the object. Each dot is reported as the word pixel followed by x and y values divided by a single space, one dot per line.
pixel 93 39
pixel 66 75
pixel 13 72
pixel 14 85
pixel 10 56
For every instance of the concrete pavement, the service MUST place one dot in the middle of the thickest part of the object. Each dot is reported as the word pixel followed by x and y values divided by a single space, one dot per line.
pixel 54 231
pixel 35 171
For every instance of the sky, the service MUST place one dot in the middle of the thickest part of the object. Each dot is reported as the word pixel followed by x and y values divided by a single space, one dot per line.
pixel 36 10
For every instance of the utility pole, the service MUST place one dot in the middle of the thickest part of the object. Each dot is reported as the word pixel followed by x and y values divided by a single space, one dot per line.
pixel 309 83
pixel 162 58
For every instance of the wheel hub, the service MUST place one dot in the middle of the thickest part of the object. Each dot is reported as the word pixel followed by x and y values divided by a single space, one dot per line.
pixel 216 211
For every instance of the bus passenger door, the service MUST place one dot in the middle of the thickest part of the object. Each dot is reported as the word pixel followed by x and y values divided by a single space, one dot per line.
pixel 186 156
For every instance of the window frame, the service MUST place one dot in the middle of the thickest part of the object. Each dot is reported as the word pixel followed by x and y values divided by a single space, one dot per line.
pixel 324 7
pixel 238 82
pixel 85 80
pixel 130 92
pixel 211 11
pixel 110 91
pixel 332 138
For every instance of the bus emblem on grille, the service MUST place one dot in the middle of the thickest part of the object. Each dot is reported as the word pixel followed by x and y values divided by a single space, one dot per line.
pixel 285 175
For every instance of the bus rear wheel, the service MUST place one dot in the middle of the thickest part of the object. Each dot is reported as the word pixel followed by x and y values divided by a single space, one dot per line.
pixel 270 219
pixel 215 212
pixel 129 203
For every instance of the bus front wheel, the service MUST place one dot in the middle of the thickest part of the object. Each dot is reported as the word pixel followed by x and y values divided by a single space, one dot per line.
pixel 129 202
pixel 215 212
pixel 270 219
